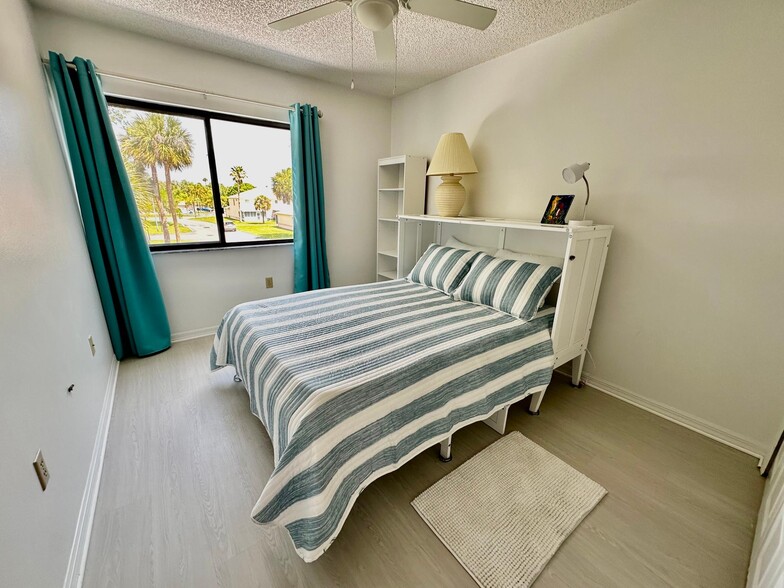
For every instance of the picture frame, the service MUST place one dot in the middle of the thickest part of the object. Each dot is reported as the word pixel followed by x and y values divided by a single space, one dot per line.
pixel 557 209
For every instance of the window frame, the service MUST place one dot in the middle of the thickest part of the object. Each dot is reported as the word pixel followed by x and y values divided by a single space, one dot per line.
pixel 207 116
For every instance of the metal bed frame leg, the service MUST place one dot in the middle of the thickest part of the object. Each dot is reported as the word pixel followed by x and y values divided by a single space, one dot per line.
pixel 536 402
pixel 445 453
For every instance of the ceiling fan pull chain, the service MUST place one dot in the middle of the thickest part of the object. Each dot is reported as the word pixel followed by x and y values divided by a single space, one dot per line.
pixel 352 49
pixel 394 82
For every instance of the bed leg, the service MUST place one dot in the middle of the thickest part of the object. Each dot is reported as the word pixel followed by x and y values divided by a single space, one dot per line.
pixel 577 370
pixel 536 402
pixel 445 453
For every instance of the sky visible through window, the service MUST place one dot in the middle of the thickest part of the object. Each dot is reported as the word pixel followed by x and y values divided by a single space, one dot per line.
pixel 261 151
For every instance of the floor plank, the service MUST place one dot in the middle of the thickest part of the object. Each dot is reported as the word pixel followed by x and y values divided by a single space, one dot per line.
pixel 186 462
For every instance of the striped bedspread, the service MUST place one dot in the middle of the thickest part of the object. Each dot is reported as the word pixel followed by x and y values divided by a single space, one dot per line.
pixel 352 382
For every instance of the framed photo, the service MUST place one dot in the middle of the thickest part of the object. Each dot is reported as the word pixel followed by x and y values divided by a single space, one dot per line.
pixel 557 209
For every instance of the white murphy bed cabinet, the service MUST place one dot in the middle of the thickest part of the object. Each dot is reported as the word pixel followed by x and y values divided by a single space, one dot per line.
pixel 582 249
pixel 401 190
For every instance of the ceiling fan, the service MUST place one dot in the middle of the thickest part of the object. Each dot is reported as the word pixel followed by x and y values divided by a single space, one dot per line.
pixel 377 16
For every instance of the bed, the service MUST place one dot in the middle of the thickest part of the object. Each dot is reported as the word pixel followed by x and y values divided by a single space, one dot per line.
pixel 351 383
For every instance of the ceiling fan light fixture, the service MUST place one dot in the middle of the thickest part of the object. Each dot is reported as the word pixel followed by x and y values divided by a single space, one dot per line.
pixel 375 15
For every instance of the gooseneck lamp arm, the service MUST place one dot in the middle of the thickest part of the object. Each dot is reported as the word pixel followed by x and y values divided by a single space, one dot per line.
pixel 587 195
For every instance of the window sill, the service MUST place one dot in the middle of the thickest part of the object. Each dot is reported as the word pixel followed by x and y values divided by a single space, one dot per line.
pixel 222 248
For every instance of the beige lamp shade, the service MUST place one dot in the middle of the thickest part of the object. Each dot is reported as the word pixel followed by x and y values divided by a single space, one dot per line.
pixel 452 157
pixel 452 160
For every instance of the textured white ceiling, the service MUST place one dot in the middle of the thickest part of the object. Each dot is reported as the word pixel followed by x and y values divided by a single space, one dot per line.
pixel 428 49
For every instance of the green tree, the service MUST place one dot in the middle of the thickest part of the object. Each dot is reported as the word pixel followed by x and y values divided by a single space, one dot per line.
pixel 155 139
pixel 224 195
pixel 193 194
pixel 238 174
pixel 141 184
pixel 142 144
pixel 231 190
pixel 176 154
pixel 204 195
pixel 119 116
pixel 282 186
pixel 262 204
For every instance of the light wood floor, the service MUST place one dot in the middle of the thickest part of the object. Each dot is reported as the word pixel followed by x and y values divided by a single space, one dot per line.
pixel 186 462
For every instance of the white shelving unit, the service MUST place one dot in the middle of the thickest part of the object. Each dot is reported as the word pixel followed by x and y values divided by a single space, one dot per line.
pixel 401 190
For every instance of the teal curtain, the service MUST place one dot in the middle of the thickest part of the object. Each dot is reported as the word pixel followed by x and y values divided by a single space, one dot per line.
pixel 127 284
pixel 311 271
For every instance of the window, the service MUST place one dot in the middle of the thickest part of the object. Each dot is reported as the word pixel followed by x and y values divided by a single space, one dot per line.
pixel 202 179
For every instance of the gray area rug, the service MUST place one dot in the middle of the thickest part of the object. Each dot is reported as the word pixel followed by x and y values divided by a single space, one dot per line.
pixel 506 511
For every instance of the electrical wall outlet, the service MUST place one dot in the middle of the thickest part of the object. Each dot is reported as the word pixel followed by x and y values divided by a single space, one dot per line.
pixel 92 344
pixel 41 470
pixel 268 281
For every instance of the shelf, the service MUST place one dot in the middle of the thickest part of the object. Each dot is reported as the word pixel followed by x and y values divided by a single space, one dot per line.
pixel 400 189
pixel 387 161
pixel 509 223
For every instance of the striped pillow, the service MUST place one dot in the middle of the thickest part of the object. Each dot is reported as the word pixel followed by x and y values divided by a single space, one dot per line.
pixel 442 268
pixel 513 287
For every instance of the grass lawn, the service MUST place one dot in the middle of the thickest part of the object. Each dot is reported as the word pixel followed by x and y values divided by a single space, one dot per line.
pixel 268 230
pixel 151 228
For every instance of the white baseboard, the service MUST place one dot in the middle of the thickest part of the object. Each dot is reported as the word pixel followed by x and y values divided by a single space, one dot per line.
pixel 697 424
pixel 193 334
pixel 84 523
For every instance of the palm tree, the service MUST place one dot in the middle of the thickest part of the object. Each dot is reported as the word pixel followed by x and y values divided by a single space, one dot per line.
pixel 282 186
pixel 142 193
pixel 176 151
pixel 262 204
pixel 142 144
pixel 155 139
pixel 238 174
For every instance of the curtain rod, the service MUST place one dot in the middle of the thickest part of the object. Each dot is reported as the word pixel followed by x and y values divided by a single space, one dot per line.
pixel 108 74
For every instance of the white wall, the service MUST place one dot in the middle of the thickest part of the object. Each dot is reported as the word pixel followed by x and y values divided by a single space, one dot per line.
pixel 678 107
pixel 355 131
pixel 200 287
pixel 48 307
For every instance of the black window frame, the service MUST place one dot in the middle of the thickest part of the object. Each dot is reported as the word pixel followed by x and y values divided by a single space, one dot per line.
pixel 207 116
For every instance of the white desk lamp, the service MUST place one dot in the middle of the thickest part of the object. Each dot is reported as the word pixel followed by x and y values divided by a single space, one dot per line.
pixel 574 173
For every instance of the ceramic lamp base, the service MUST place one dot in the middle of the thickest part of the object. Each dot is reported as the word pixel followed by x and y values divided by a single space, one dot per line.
pixel 450 196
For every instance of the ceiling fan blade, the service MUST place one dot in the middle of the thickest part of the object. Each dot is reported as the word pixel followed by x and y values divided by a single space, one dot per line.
pixel 470 15
pixel 385 43
pixel 306 16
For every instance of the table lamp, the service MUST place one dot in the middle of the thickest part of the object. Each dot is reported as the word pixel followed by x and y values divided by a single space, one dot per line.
pixel 575 173
pixel 452 160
